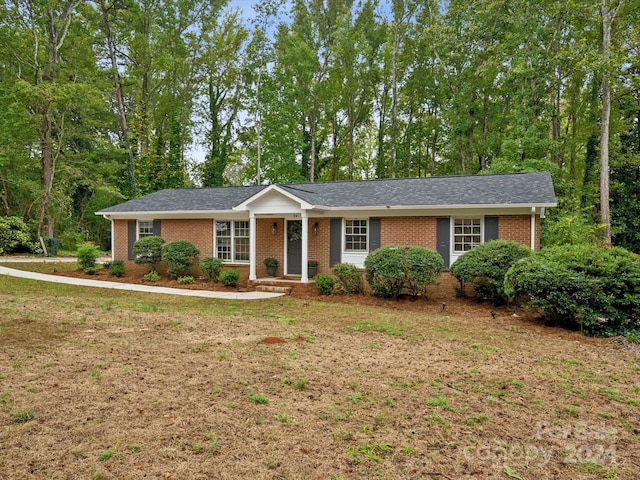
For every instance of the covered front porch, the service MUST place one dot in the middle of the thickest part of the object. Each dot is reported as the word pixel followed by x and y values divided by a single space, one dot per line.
pixel 283 227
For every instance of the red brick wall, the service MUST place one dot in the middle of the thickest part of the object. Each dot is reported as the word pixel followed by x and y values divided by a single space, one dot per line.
pixel 517 228
pixel 408 231
pixel 268 245
pixel 393 231
pixel 198 231
pixel 319 244
pixel 120 240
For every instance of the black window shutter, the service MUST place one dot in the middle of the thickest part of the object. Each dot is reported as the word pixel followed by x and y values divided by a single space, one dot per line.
pixel 443 240
pixel 131 237
pixel 374 234
pixel 490 228
pixel 157 230
pixel 335 241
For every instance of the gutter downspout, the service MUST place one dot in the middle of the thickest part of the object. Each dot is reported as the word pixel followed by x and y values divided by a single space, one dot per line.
pixel 113 252
pixel 533 228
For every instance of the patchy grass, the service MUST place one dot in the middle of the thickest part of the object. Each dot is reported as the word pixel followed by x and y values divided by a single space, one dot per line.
pixel 127 385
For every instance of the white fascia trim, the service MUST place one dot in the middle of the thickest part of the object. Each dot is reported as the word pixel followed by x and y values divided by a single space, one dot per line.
pixel 174 215
pixel 244 206
pixel 465 206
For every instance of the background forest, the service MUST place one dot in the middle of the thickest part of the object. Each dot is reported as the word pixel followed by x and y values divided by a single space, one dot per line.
pixel 102 101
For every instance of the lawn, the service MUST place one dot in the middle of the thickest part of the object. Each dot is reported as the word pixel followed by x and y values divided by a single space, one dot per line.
pixel 111 385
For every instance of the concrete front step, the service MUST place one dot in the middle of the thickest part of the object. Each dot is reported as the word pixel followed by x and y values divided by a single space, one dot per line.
pixel 274 289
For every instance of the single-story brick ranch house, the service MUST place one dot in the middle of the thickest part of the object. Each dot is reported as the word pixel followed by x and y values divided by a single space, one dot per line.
pixel 337 222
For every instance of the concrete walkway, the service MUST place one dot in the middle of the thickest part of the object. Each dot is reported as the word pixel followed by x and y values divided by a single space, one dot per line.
pixel 131 287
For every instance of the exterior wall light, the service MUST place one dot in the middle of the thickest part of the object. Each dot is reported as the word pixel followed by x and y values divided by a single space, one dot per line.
pixel 315 229
pixel 274 228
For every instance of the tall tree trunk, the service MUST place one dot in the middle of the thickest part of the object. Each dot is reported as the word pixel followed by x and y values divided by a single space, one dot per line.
pixel 608 16
pixel 258 129
pixel 394 95
pixel 117 87
pixel 3 195
pixel 57 28
pixel 313 126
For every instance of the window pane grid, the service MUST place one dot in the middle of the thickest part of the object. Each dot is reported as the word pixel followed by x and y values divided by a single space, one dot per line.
pixel 232 241
pixel 466 234
pixel 242 250
pixel 145 228
pixel 223 249
pixel 356 235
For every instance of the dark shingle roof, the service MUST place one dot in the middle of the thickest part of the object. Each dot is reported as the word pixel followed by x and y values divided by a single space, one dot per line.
pixel 505 189
pixel 187 199
pixel 499 189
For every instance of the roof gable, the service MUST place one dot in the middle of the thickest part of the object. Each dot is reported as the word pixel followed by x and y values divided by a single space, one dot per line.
pixel 273 199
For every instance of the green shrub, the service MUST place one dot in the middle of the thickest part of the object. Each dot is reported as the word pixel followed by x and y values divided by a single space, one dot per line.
pixel 185 280
pixel 92 270
pixel 87 255
pixel 116 268
pixel 148 251
pixel 385 271
pixel 348 277
pixel 212 267
pixel 324 284
pixel 181 255
pixel 229 277
pixel 486 265
pixel 14 234
pixel 596 290
pixel 424 267
pixel 152 276
pixel 392 269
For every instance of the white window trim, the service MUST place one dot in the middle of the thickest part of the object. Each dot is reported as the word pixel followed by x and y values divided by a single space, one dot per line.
pixel 233 243
pixel 344 235
pixel 453 227
pixel 453 254
pixel 354 257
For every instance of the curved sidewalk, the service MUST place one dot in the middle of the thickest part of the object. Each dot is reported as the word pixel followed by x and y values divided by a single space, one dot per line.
pixel 131 287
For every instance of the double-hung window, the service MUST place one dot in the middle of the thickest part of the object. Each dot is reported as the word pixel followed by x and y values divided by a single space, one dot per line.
pixel 355 238
pixel 467 234
pixel 232 241
pixel 145 228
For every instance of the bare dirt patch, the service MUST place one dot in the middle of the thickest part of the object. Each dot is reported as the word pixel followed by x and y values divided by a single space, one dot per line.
pixel 102 384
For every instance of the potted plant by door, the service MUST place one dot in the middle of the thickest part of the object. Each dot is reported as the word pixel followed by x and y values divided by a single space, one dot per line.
pixel 271 264
pixel 312 268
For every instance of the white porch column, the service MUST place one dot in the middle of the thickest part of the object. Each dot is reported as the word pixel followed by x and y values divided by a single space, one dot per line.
pixel 252 246
pixel 305 247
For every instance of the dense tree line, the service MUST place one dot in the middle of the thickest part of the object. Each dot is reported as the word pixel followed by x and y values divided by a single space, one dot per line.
pixel 106 100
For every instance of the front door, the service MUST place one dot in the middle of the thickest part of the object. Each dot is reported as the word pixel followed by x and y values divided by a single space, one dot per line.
pixel 294 247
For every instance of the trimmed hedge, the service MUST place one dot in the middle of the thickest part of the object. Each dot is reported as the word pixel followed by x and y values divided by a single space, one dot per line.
pixel 486 265
pixel 148 251
pixel 391 269
pixel 180 255
pixel 582 287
